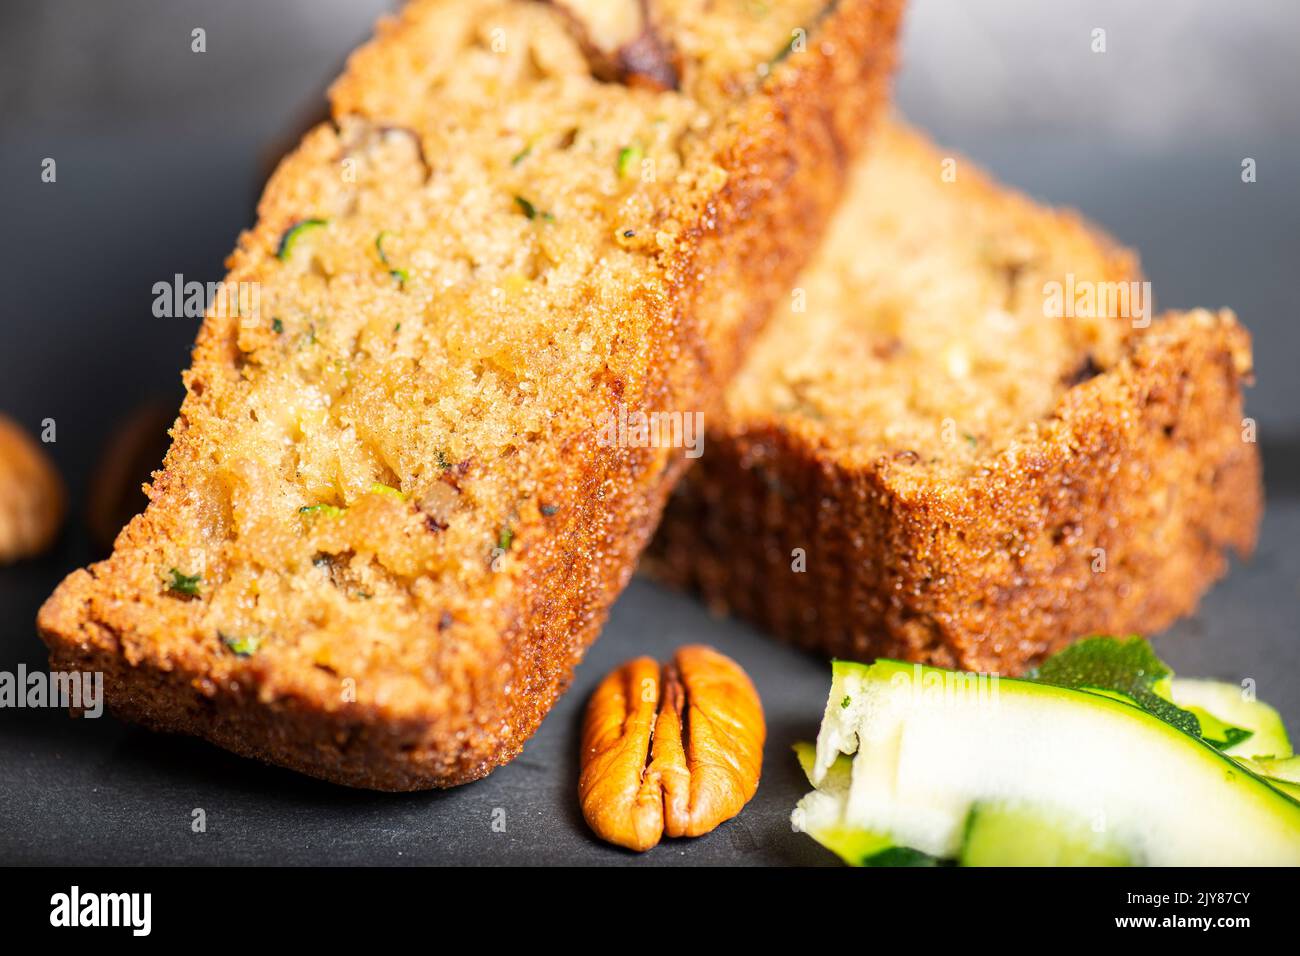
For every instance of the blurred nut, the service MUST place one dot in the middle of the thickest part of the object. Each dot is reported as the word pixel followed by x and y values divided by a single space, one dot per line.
pixel 621 42
pixel 133 451
pixel 32 499
pixel 675 751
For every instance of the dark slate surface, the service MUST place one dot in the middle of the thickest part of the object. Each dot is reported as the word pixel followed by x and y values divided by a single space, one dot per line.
pixel 149 187
pixel 99 791
pixel 102 792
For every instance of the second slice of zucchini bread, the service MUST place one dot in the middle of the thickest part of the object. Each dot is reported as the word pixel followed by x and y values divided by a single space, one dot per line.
pixel 387 527
pixel 970 448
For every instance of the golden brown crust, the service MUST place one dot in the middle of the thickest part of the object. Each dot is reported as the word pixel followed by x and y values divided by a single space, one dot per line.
pixel 1114 519
pixel 32 498
pixel 785 152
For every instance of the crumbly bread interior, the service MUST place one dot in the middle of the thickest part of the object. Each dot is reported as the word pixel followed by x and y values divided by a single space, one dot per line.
pixel 919 333
pixel 442 277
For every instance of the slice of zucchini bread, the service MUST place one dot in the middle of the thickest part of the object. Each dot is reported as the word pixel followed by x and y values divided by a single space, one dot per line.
pixel 968 450
pixel 388 526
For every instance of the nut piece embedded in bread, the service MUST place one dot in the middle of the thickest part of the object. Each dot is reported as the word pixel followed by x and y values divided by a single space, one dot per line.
pixel 388 526
pixel 973 444
pixel 670 752
pixel 32 498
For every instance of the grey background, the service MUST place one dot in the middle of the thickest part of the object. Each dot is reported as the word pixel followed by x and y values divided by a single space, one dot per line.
pixel 159 154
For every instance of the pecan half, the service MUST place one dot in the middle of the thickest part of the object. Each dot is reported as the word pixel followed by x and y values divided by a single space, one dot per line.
pixel 673 751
